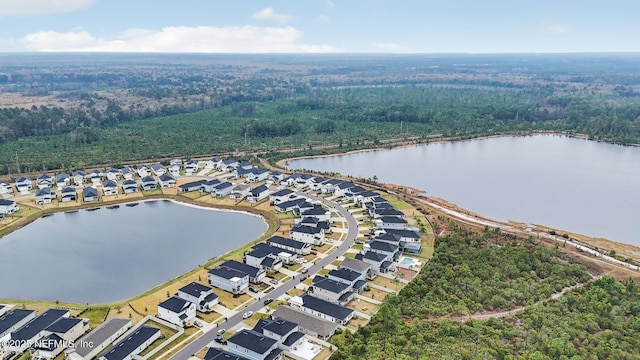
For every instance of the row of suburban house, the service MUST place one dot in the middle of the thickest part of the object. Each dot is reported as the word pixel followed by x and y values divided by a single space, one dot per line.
pixel 54 331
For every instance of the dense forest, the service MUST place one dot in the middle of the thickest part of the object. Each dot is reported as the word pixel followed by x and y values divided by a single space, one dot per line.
pixel 60 111
pixel 600 320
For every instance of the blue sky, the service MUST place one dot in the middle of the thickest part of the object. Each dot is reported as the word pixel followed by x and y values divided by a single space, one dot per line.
pixel 317 26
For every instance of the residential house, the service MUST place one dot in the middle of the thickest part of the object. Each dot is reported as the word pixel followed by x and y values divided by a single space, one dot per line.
pixel 253 345
pixel 174 170
pixel 228 165
pixel 110 187
pixel 392 251
pixel 313 222
pixel 382 212
pixel 143 170
pixel 228 279
pixel 79 177
pixel 8 207
pixel 177 311
pixel 303 181
pixel 307 323
pixel 58 336
pixel 223 189
pixel 98 339
pixel 342 188
pixel 213 163
pixel 90 194
pixel 365 197
pixel 302 207
pixel 129 186
pixel 323 309
pixel 201 295
pixel 209 185
pixel 44 196
pixel 355 280
pixel 175 162
pixel 255 274
pixel 257 194
pixel 264 259
pixel 257 175
pixel 352 193
pixel 410 240
pixel 307 234
pixel 23 183
pixel 391 222
pixel 328 187
pixel 275 177
pixel 114 174
pixel 191 186
pixel 281 196
pixel 44 181
pixel 285 332
pixel 128 173
pixel 317 211
pixel 96 176
pixel 5 188
pixel 215 353
pixel 166 181
pixel 380 263
pixel 12 321
pixel 192 167
pixel 148 183
pixel 292 205
pixel 240 191
pixel 290 245
pixel 359 266
pixel 63 180
pixel 68 194
pixel 158 169
pixel 330 290
pixel 35 329
pixel 133 344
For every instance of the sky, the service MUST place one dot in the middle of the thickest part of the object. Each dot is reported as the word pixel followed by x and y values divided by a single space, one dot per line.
pixel 320 26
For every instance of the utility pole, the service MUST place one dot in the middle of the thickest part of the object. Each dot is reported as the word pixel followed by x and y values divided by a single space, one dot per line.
pixel 18 163
pixel 400 126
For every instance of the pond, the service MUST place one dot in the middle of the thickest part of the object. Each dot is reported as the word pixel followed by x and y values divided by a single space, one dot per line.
pixel 111 254
pixel 582 186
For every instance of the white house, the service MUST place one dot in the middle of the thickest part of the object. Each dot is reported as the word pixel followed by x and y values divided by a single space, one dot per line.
pixel 227 279
pixel 158 169
pixel 63 180
pixel 257 175
pixel 68 328
pixel 96 176
pixel 281 196
pixel 12 321
pixel 294 246
pixel 79 177
pixel 391 222
pixel 308 234
pixel 68 194
pixel 98 339
pixel 44 181
pixel 35 330
pixel 201 295
pixel 240 191
pixel 265 259
pixel 44 196
pixel 143 170
pixel 223 189
pixel 253 345
pixel 328 186
pixel 213 163
pixel 114 174
pixel 129 186
pixel 256 274
pixel 410 240
pixel 8 206
pixel 258 193
pixel 23 183
pixel 5 188
pixel 358 266
pixel 166 181
pixel 110 187
pixel 318 212
pixel 177 311
pixel 192 167
pixel 174 170
pixel 322 309
pixel 128 173
pixel 133 344
pixel 330 290
pixel 148 183
pixel 90 194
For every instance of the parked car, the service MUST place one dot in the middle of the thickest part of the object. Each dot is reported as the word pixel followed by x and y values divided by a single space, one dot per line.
pixel 313 252
pixel 220 340
pixel 221 331
pixel 253 289
pixel 274 281
pixel 198 323
pixel 305 270
pixel 268 301
pixel 247 315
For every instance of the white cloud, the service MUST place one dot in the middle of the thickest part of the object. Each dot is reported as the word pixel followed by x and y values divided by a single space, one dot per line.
pixel 559 28
pixel 270 14
pixel 41 7
pixel 388 46
pixel 200 39
pixel 323 18
pixel 330 4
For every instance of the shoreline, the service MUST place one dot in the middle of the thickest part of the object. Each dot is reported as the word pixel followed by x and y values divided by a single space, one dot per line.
pixel 595 244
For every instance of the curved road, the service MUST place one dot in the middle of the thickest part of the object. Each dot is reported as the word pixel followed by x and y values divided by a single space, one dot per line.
pixel 208 337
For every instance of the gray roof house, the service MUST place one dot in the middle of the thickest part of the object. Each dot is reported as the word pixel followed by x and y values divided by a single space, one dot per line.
pixel 253 345
pixel 218 354
pixel 223 189
pixel 166 181
pixel 13 320
pixel 255 274
pixel 90 194
pixel 110 187
pixel 148 183
pixel 298 247
pixel 307 323
pixel 35 329
pixel 199 294
pixel 228 279
pixel 323 309
pixel 358 266
pixel 98 339
pixel 129 186
pixel 133 344
pixel 258 193
pixel 44 196
pixel 68 194
pixel 332 291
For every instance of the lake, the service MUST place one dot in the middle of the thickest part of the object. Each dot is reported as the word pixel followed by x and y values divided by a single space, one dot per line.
pixel 108 255
pixel 582 186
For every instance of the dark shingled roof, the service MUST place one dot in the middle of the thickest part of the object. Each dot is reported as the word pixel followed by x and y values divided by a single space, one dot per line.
pixel 125 347
pixel 219 354
pixel 174 304
pixel 63 325
pixel 10 319
pixel 194 289
pixel 100 334
pixel 287 242
pixel 31 329
pixel 253 341
pixel 325 307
